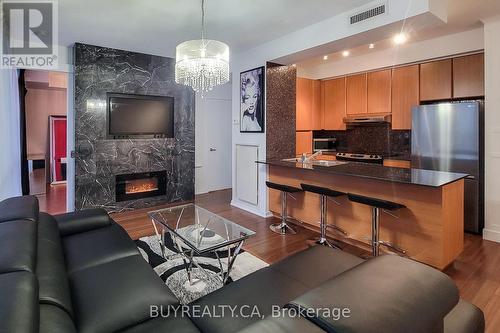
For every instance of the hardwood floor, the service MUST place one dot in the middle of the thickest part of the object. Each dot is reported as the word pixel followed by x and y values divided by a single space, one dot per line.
pixel 53 201
pixel 476 271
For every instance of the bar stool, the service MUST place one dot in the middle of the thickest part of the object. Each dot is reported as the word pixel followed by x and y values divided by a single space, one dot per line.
pixel 377 205
pixel 324 194
pixel 283 228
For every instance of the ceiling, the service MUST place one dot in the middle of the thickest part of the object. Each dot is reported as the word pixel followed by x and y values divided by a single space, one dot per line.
pixel 461 15
pixel 157 26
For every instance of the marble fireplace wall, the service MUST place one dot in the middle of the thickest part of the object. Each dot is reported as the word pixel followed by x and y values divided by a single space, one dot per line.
pixel 99 70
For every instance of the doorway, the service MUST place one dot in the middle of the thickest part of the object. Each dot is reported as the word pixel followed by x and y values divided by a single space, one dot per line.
pixel 45 112
pixel 213 151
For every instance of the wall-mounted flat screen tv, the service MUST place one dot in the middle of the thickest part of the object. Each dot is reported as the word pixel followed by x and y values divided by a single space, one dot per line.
pixel 139 116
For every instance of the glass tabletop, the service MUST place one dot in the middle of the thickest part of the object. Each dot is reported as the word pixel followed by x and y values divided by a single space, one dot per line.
pixel 199 228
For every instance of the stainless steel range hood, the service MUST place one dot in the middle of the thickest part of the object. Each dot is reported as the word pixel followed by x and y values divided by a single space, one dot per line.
pixel 362 120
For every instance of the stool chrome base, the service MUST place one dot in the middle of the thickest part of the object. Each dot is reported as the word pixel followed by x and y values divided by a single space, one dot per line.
pixel 282 228
pixel 326 242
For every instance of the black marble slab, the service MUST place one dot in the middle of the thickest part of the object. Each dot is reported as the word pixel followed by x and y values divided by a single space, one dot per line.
pixel 99 70
pixel 375 171
pixel 377 139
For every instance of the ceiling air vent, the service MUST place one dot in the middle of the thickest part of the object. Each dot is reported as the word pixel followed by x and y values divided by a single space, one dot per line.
pixel 379 10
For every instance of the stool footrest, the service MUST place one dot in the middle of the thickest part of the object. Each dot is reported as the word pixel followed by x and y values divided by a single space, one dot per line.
pixel 392 247
pixel 337 228
pixel 282 228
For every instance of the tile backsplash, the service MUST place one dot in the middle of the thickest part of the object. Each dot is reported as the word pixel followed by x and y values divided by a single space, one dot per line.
pixel 372 138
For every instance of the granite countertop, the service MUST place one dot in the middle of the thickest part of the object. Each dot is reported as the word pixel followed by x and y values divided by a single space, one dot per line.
pixel 375 171
pixel 399 157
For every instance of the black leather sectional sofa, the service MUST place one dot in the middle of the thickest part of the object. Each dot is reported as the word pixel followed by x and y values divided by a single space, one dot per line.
pixel 80 272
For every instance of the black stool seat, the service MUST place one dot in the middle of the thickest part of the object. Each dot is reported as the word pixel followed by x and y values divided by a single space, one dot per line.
pixel 283 188
pixel 379 203
pixel 321 190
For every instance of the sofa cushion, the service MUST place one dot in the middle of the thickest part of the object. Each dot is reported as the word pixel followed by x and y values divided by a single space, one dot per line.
pixel 275 285
pixel 464 318
pixel 322 261
pixel 386 294
pixel 262 290
pixel 19 208
pixel 282 324
pixel 50 266
pixel 18 239
pixel 116 295
pixel 53 319
pixel 177 325
pixel 18 302
pixel 96 247
pixel 82 220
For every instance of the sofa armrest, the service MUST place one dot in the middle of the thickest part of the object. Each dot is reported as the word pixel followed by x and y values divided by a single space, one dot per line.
pixel 387 294
pixel 82 220
pixel 464 318
pixel 19 208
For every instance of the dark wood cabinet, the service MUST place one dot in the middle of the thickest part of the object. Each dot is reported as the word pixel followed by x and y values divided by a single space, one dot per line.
pixel 303 142
pixel 435 80
pixel 308 108
pixel 356 94
pixel 316 106
pixel 405 95
pixel 304 104
pixel 468 76
pixel 379 91
pixel 334 103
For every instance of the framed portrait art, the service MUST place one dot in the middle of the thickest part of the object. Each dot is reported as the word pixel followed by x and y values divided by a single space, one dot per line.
pixel 252 118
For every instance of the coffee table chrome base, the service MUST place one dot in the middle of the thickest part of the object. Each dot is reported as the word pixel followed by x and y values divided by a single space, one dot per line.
pixel 189 255
pixel 282 228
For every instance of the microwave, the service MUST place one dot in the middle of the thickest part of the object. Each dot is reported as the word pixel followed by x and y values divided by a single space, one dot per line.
pixel 324 144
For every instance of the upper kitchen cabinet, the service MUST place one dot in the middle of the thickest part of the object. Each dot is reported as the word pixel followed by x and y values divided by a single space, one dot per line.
pixel 334 103
pixel 304 104
pixel 468 76
pixel 308 112
pixel 405 95
pixel 317 106
pixel 379 91
pixel 356 94
pixel 435 80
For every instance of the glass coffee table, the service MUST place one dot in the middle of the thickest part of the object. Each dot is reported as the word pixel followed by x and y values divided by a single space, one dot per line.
pixel 196 231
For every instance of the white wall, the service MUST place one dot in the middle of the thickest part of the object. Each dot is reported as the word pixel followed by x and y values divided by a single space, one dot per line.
pixel 492 129
pixel 313 36
pixel 10 154
pixel 39 105
pixel 467 41
pixel 210 104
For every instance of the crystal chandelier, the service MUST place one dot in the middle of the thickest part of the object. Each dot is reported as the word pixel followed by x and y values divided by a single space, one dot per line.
pixel 203 63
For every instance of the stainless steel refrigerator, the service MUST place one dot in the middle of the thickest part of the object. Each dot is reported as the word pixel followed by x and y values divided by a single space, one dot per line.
pixel 449 137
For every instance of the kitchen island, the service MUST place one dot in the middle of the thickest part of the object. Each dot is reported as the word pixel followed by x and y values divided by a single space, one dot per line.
pixel 429 229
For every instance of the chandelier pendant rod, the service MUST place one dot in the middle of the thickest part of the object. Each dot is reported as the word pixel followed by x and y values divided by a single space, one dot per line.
pixel 202 19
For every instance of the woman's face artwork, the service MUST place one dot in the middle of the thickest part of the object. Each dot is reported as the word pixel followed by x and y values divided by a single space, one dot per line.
pixel 250 98
pixel 251 92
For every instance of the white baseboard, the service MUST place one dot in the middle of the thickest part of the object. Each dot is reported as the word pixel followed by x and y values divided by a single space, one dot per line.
pixel 491 235
pixel 249 208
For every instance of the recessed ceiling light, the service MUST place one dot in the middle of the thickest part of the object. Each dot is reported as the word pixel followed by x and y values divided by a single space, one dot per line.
pixel 400 38
pixel 325 57
pixel 345 53
pixel 371 46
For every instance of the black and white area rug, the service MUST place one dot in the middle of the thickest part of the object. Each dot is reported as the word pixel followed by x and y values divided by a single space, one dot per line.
pixel 173 272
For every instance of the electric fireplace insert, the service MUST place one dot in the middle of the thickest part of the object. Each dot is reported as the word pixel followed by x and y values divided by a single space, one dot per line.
pixel 140 185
